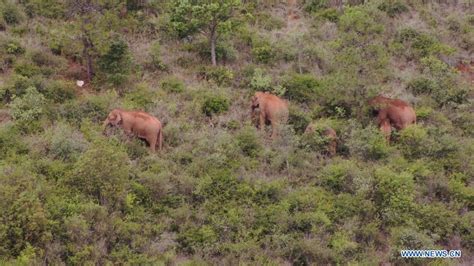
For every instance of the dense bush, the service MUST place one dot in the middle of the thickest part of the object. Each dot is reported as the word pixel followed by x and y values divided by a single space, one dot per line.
pixel 215 105
pixel 155 57
pixel 368 143
pixel 172 84
pixel 13 47
pixel 393 8
pixel 330 14
pixel 248 141
pixel 59 91
pixel 301 87
pixel 65 143
pixel 222 76
pixel 141 97
pixel 260 81
pixel 221 191
pixel 298 120
pixel 419 45
pixel 115 64
pixel 263 53
pixel 101 173
pixel 11 13
pixel 315 5
pixel 27 110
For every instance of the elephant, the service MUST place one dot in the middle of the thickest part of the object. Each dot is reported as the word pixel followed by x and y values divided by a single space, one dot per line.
pixel 330 134
pixel 271 109
pixel 392 113
pixel 140 124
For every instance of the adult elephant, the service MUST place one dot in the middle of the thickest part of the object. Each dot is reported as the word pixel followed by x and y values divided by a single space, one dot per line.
pixel 392 113
pixel 269 108
pixel 137 123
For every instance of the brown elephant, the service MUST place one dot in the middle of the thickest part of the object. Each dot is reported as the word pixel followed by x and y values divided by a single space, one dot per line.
pixel 137 123
pixel 392 113
pixel 330 134
pixel 271 109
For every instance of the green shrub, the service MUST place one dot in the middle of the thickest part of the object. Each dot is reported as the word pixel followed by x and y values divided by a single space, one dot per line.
pixel 51 8
pixel 409 238
pixel 136 148
pixel 26 69
pixel 93 107
pixel 315 5
pixel 368 143
pixel 155 61
pixel 263 53
pixel 24 221
pixel 299 120
pixel 115 64
pixel 16 86
pixel 220 75
pixel 172 84
pixel 343 177
pixel 101 173
pixel 46 59
pixel 444 90
pixel 421 85
pixel 249 142
pixel 10 141
pixel 358 20
pixel 414 141
pixel 302 88
pixel 437 219
pixel 224 51
pixel 423 112
pixel 330 14
pixel 141 97
pixel 394 196
pixel 421 45
pixel 27 110
pixel 11 14
pixel 13 47
pixel 393 8
pixel 59 91
pixel 269 22
pixel 65 143
pixel 454 24
pixel 260 81
pixel 214 105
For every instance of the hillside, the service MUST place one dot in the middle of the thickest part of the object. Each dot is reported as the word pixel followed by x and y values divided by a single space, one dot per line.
pixel 221 191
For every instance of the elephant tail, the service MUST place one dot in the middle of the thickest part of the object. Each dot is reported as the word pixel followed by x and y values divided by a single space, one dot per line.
pixel 160 139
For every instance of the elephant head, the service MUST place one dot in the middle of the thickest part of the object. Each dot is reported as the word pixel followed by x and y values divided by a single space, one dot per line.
pixel 256 100
pixel 114 118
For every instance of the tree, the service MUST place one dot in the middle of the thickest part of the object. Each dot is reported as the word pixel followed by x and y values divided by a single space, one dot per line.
pixel 209 17
pixel 85 11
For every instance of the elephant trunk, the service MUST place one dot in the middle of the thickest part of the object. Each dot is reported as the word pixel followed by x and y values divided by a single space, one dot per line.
pixel 104 126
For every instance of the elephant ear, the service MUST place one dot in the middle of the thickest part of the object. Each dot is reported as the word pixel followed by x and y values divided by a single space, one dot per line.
pixel 255 103
pixel 118 120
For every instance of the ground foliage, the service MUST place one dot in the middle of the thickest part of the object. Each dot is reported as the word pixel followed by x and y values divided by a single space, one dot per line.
pixel 221 191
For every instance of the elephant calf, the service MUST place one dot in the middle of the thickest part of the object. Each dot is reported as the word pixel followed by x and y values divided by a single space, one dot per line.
pixel 328 133
pixel 140 124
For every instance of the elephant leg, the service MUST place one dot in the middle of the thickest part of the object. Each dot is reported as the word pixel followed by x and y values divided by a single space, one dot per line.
pixel 262 121
pixel 275 130
pixel 332 148
pixel 152 142
pixel 386 129
pixel 160 139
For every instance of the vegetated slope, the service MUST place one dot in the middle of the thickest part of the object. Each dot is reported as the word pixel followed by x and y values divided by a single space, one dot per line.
pixel 221 191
